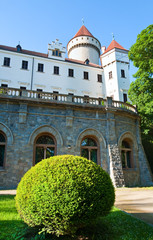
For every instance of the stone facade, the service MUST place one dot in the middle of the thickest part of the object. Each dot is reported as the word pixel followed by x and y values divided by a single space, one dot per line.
pixel 22 119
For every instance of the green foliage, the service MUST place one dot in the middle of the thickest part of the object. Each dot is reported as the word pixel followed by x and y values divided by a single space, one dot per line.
pixel 141 91
pixel 64 193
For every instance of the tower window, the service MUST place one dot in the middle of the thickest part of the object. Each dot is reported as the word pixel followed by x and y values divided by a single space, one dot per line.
pixel 110 75
pixel 99 77
pixel 6 62
pixel 24 64
pixel 40 67
pixel 71 72
pixel 56 70
pixel 86 75
pixel 122 73
pixel 87 61
pixel 56 53
pixel 124 97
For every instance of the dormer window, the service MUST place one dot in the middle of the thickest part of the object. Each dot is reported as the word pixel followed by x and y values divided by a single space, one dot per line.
pixel 56 53
pixel 87 61
pixel 18 47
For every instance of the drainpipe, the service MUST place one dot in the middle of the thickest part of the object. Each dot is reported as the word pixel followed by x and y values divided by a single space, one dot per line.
pixel 32 72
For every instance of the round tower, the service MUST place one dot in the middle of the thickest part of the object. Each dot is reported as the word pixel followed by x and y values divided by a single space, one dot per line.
pixel 84 46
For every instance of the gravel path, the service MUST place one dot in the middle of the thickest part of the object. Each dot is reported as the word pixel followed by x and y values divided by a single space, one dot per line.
pixel 7 192
pixel 136 201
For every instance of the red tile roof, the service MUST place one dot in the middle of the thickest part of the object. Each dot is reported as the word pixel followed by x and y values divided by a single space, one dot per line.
pixel 83 31
pixel 113 45
pixel 23 51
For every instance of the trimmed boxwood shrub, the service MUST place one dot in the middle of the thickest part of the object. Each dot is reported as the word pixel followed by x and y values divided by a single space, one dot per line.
pixel 63 193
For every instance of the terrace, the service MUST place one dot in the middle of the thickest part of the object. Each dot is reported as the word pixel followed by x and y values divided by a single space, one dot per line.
pixel 14 93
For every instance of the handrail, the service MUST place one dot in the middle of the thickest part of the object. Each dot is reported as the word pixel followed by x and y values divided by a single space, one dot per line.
pixel 57 97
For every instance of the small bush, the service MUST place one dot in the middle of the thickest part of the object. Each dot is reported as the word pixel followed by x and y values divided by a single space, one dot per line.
pixel 63 193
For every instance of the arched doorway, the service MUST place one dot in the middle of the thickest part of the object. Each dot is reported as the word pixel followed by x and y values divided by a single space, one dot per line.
pixel 44 147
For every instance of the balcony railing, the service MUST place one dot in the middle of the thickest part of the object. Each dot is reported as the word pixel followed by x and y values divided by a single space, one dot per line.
pixel 56 97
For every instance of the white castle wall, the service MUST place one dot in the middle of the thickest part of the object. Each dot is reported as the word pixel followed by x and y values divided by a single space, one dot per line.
pixel 16 77
pixel 115 61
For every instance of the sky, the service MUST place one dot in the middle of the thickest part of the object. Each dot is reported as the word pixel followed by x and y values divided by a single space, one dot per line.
pixel 36 23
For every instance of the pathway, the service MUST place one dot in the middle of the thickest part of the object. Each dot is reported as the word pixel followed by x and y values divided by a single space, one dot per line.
pixel 136 201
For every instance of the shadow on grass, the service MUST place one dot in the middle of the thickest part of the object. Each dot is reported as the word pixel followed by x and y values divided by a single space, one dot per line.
pixel 116 226
pixel 99 230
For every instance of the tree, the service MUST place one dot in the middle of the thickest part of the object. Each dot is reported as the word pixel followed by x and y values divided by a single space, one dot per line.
pixel 141 90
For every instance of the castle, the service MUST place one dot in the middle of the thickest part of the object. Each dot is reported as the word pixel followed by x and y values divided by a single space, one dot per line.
pixel 53 105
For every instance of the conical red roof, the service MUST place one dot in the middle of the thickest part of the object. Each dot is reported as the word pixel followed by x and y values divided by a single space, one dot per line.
pixel 113 45
pixel 83 31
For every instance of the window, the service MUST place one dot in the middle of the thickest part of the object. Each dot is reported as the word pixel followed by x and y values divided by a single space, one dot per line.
pixel 86 75
pixel 124 97
pixel 86 99
pixel 40 67
pixel 55 95
pixel 56 53
pixel 22 88
pixel 39 90
pixel 2 149
pixel 126 154
pixel 72 95
pixel 4 85
pixel 89 149
pixel 87 61
pixel 56 70
pixel 6 62
pixel 122 73
pixel 110 74
pixel 24 64
pixel 99 77
pixel 45 147
pixel 71 72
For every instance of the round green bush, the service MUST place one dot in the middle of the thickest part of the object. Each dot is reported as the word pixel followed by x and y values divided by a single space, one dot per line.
pixel 63 193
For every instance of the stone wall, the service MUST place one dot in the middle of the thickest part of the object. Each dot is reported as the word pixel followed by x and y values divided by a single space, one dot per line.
pixel 23 120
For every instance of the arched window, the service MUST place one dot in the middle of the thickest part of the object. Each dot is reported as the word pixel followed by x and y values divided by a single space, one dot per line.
pixel 126 154
pixel 89 149
pixel 45 147
pixel 2 149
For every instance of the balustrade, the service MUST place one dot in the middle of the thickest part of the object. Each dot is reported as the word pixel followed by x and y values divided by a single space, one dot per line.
pixel 109 103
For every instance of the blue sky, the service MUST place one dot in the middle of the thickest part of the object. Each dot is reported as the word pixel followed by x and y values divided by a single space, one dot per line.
pixel 36 23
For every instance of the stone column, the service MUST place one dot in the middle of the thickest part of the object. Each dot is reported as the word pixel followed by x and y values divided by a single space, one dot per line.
pixel 114 159
pixel 23 113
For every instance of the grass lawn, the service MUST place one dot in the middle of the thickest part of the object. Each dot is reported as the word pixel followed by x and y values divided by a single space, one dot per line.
pixel 116 226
